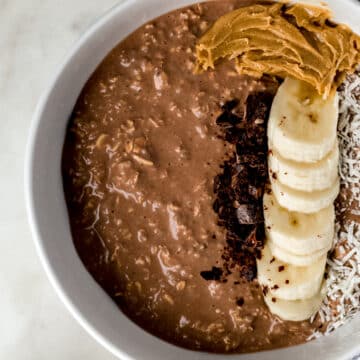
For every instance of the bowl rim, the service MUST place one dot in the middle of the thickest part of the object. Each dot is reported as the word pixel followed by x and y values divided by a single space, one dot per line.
pixel 32 211
pixel 28 183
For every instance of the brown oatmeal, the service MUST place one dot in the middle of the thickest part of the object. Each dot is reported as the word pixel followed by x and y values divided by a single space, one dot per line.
pixel 140 156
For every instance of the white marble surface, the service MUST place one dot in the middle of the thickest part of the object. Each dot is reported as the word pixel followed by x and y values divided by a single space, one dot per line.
pixel 34 37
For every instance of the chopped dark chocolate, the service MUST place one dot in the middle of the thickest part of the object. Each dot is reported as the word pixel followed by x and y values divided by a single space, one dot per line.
pixel 241 185
pixel 230 116
pixel 240 301
pixel 230 105
pixel 249 214
pixel 214 274
pixel 249 272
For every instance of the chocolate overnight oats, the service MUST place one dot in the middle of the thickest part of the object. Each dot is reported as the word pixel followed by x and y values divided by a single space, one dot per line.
pixel 165 169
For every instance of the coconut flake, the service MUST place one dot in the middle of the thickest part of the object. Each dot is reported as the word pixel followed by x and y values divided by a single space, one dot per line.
pixel 343 266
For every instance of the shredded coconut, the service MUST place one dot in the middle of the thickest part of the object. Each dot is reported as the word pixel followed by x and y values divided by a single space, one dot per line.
pixel 343 267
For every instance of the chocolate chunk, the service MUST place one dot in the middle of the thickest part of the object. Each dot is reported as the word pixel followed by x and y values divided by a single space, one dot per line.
pixel 214 274
pixel 230 115
pixel 258 106
pixel 256 192
pixel 249 214
pixel 252 240
pixel 252 159
pixel 249 273
pixel 216 205
pixel 230 105
pixel 240 301
pixel 228 118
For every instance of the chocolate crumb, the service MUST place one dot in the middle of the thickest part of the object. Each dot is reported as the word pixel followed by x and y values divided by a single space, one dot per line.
pixel 240 302
pixel 287 281
pixel 273 299
pixel 281 268
pixel 275 287
pixel 272 260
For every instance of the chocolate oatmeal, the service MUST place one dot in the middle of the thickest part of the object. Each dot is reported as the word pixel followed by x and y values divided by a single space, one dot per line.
pixel 141 154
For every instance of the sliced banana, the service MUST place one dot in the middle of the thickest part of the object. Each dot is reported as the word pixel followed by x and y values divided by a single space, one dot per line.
pixel 298 233
pixel 305 176
pixel 296 260
pixel 294 310
pixel 302 125
pixel 302 201
pixel 289 282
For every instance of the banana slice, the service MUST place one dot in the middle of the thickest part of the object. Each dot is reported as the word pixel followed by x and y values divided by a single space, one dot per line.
pixel 296 260
pixel 302 201
pixel 295 310
pixel 298 233
pixel 305 176
pixel 289 282
pixel 302 125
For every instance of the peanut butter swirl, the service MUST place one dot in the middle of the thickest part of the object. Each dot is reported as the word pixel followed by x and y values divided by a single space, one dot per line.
pixel 283 40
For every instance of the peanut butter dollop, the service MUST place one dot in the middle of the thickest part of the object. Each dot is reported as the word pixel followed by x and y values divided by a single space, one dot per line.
pixel 283 40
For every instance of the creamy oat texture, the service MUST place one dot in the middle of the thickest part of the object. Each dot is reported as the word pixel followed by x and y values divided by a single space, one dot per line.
pixel 140 156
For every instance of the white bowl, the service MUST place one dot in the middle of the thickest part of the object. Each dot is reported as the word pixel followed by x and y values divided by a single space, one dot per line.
pixel 88 303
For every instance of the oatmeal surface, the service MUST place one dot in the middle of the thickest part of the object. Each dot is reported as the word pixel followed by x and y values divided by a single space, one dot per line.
pixel 140 157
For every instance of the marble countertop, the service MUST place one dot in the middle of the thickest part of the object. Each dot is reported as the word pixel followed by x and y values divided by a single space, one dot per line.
pixel 35 35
